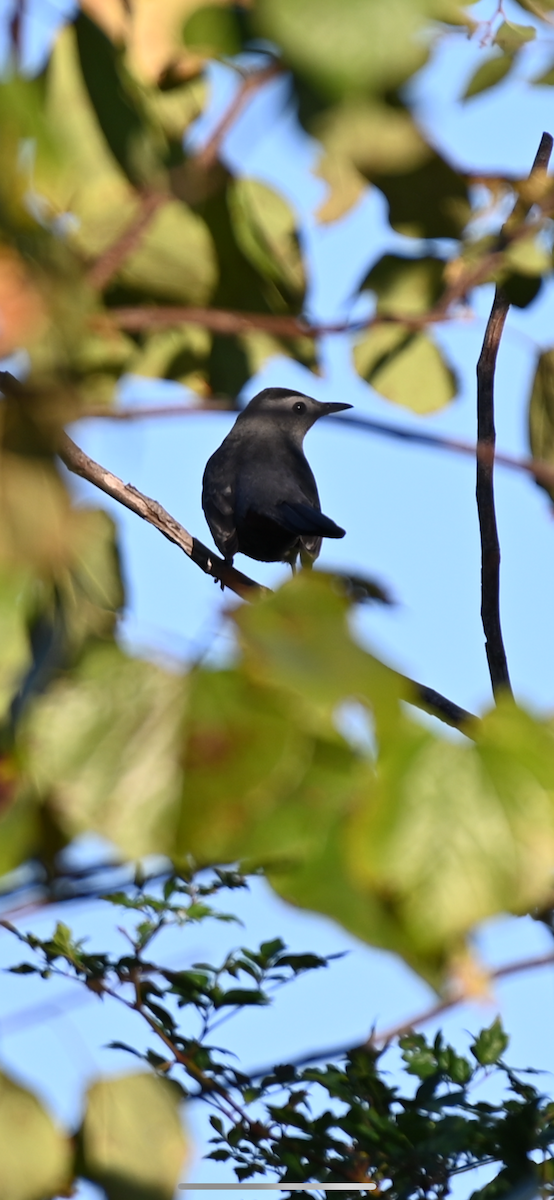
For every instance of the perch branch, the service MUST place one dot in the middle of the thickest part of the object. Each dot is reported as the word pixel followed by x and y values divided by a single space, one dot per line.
pixel 486 436
pixel 80 464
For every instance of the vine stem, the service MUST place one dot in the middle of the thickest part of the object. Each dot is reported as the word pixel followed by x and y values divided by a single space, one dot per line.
pixel 486 438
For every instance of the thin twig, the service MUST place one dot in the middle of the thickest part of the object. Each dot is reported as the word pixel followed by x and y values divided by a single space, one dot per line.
pixel 137 318
pixel 380 1040
pixel 208 156
pixel 486 436
pixel 542 472
pixel 107 265
pixel 80 464
pixel 490 545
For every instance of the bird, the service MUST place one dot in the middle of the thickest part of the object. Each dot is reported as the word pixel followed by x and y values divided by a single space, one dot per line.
pixel 259 494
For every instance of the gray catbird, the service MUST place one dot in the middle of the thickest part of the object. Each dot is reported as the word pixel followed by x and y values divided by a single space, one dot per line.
pixel 259 495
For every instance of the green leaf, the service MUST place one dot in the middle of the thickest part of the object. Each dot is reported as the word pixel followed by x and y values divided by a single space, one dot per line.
pixel 104 743
pixel 546 79
pixel 528 256
pixel 298 640
pixel 455 833
pixel 405 286
pixel 541 414
pixel 241 754
pixel 490 1044
pixel 35 1157
pixel 214 31
pixel 429 200
pixel 132 1139
pixel 266 231
pixel 175 257
pixel 371 135
pixel 406 367
pixel 346 185
pixel 511 37
pixel 240 997
pixel 488 74
pixel 15 654
pixel 118 111
pixel 348 47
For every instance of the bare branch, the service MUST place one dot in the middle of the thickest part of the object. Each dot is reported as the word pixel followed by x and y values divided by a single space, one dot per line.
pixel 208 156
pixel 80 464
pixel 486 436
pixel 378 1040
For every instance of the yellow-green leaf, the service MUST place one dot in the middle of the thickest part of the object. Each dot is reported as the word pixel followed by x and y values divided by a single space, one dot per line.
pixel 133 1143
pixel 348 46
pixel 405 286
pixel 487 75
pixel 35 1157
pixel 541 414
pixel 104 745
pixel 265 229
pixel 406 367
pixel 511 37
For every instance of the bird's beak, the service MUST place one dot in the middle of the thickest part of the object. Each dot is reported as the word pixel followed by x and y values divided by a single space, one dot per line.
pixel 334 408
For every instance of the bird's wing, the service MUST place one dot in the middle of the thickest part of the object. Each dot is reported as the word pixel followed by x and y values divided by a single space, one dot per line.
pixel 303 519
pixel 218 502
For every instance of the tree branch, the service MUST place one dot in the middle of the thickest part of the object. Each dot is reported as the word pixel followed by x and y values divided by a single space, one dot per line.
pixel 208 156
pixel 542 472
pixel 486 436
pixel 80 464
pixel 381 1040
pixel 490 545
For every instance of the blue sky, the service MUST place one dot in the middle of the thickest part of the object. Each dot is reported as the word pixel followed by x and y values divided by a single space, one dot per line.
pixel 411 521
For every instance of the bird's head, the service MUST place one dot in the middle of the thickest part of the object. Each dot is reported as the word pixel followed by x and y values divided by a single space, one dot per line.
pixel 288 411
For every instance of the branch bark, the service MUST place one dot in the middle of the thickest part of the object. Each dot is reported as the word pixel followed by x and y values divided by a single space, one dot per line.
pixel 486 437
pixel 542 472
pixel 80 464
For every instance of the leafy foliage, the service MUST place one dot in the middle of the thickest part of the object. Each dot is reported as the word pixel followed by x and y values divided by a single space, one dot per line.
pixel 122 250
pixel 341 1121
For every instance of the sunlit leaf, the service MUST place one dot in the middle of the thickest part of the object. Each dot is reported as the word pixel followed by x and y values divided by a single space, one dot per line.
pixel 431 200
pixel 490 1044
pixel 174 257
pixel 132 1139
pixel 487 75
pixel 345 185
pixel 528 256
pixel 103 745
pixel 455 833
pixel 349 46
pixel 510 37
pixel 241 755
pixel 15 597
pixel 372 136
pixel 265 228
pixel 298 639
pixel 119 112
pixel 406 367
pixel 405 286
pixel 213 30
pixel 35 1157
pixel 541 413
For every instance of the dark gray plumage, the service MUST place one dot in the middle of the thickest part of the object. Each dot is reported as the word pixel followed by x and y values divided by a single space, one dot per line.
pixel 259 495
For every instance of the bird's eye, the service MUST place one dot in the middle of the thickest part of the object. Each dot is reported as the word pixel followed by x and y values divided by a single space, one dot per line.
pixel 299 407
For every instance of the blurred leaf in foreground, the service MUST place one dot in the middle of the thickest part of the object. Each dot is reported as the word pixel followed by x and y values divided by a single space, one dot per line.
pixel 132 1140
